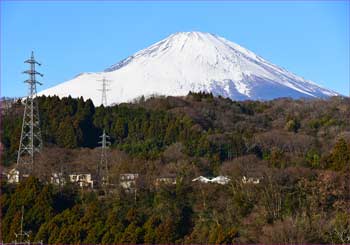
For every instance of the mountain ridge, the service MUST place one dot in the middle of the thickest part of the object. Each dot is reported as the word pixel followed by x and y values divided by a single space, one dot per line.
pixel 192 61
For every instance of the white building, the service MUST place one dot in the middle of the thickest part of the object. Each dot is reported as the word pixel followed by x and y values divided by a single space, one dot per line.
pixel 128 181
pixel 57 179
pixel 201 179
pixel 250 180
pixel 222 180
pixel 166 180
pixel 14 176
pixel 82 179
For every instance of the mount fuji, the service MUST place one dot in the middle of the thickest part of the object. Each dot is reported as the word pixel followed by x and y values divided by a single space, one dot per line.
pixel 192 61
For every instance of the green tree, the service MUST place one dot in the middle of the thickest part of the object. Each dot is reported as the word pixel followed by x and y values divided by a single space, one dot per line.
pixel 339 159
pixel 293 125
pixel 66 135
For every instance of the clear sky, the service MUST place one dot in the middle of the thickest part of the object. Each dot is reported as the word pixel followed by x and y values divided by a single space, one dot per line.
pixel 310 38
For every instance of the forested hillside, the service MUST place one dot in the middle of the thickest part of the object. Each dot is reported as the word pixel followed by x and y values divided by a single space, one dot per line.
pixel 300 149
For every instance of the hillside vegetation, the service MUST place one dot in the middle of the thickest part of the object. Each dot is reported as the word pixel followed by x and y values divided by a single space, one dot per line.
pixel 299 149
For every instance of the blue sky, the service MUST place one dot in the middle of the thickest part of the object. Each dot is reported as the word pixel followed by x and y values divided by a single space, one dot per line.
pixel 310 38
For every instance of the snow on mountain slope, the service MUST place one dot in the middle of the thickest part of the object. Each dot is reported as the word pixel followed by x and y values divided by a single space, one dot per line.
pixel 192 61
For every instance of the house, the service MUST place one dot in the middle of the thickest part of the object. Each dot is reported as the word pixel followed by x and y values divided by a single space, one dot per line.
pixel 84 180
pixel 222 180
pixel 201 179
pixel 250 180
pixel 166 180
pixel 14 176
pixel 128 180
pixel 57 179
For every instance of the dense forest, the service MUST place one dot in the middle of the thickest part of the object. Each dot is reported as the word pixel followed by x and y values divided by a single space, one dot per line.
pixel 299 149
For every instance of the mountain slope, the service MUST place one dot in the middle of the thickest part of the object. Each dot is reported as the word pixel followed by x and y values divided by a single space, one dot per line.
pixel 192 61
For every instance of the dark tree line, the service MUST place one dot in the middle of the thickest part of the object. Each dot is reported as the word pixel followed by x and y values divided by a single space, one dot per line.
pixel 284 132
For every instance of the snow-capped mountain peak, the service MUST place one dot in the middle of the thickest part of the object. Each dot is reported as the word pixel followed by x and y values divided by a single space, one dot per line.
pixel 192 61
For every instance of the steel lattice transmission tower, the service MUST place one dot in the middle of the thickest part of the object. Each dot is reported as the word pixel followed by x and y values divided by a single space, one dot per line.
pixel 104 90
pixel 102 167
pixel 31 141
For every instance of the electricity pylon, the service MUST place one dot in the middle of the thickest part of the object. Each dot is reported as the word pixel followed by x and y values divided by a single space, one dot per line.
pixel 102 167
pixel 31 141
pixel 104 90
pixel 23 236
